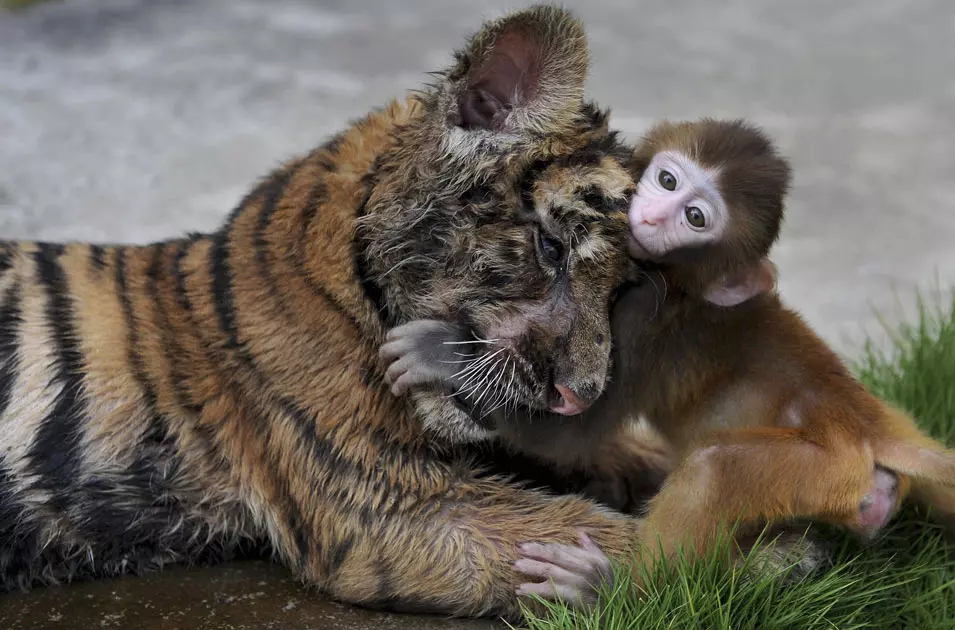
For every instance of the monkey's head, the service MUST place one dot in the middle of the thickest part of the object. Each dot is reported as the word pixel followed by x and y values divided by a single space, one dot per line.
pixel 502 207
pixel 709 199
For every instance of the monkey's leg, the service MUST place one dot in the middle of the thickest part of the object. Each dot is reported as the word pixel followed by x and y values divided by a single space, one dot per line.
pixel 454 555
pixel 938 498
pixel 758 475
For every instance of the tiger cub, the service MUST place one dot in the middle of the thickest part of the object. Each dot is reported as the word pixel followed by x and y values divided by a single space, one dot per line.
pixel 170 402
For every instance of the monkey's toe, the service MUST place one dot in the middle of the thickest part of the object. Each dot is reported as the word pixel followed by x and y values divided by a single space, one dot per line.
pixel 879 504
pixel 790 552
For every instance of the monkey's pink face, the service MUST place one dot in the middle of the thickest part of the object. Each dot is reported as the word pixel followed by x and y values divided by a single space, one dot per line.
pixel 677 205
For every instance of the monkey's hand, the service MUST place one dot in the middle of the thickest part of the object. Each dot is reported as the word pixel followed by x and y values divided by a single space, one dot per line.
pixel 574 575
pixel 422 352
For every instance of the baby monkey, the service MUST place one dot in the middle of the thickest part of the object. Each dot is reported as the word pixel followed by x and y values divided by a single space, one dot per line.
pixel 767 422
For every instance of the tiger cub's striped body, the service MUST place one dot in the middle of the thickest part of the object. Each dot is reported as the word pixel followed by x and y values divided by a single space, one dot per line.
pixel 160 400
pixel 170 402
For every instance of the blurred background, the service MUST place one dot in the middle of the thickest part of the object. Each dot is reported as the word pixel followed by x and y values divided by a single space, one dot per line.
pixel 139 119
pixel 135 120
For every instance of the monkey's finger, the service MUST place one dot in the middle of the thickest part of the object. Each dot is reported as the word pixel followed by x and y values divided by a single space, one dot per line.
pixel 409 373
pixel 573 596
pixel 395 349
pixel 422 326
pixel 398 332
pixel 549 571
pixel 565 556
pixel 597 557
pixel 404 383
pixel 394 372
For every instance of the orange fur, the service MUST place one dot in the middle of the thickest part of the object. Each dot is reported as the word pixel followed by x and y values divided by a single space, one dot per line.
pixel 768 424
pixel 178 401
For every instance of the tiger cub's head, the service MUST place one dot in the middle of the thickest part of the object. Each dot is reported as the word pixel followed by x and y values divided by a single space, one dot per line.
pixel 502 205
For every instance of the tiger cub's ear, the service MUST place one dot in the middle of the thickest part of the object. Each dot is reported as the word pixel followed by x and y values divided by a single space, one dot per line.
pixel 522 73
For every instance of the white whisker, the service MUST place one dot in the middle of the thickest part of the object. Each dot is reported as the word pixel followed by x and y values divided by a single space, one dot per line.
pixel 477 364
pixel 457 343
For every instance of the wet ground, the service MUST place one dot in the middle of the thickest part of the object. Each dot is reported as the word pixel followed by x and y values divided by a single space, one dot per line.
pixel 246 595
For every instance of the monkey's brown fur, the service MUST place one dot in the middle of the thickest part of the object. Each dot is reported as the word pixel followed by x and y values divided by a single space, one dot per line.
pixel 766 420
pixel 161 403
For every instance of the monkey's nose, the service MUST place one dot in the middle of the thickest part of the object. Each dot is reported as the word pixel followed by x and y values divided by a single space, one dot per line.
pixel 570 404
pixel 653 214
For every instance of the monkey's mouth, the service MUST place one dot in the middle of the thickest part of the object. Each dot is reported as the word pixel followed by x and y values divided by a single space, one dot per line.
pixel 636 249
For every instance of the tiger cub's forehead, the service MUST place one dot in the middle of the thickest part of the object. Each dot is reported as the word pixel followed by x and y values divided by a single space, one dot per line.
pixel 573 194
pixel 586 203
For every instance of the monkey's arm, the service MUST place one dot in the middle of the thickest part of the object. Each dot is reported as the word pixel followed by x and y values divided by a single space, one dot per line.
pixel 426 352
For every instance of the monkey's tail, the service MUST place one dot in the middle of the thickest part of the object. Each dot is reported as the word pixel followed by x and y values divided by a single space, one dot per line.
pixel 923 459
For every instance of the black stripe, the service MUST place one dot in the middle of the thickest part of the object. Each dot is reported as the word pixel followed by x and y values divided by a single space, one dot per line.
pixel 387 598
pixel 594 197
pixel 297 254
pixel 97 257
pixel 304 423
pixel 10 320
pixel 337 554
pixel 223 300
pixel 206 432
pixel 21 553
pixel 156 432
pixel 273 197
pixel 369 287
pixel 296 520
pixel 6 256
pixel 172 349
pixel 55 453
pixel 182 291
pixel 222 285
pixel 528 179
pixel 328 151
pixel 9 511
pixel 132 331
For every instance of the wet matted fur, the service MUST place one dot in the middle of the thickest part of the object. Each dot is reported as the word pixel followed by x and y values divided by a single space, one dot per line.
pixel 168 402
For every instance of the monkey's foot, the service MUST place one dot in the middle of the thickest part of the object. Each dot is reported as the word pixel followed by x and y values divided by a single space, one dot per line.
pixel 879 504
pixel 789 551
pixel 571 574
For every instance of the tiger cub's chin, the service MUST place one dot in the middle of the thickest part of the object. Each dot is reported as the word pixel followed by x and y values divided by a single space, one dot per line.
pixel 447 420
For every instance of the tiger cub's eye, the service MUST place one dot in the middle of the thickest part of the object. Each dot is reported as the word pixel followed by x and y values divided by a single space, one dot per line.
pixel 695 217
pixel 666 179
pixel 552 248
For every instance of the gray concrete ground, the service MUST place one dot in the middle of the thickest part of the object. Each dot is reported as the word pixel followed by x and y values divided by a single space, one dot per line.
pixel 139 119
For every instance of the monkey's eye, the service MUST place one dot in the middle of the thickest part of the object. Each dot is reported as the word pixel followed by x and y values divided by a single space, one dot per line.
pixel 552 249
pixel 666 179
pixel 695 217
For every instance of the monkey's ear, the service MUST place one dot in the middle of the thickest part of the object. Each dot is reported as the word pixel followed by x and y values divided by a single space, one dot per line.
pixel 523 72
pixel 745 284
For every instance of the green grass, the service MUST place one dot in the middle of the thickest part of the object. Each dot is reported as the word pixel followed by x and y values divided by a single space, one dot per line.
pixel 18 4
pixel 905 581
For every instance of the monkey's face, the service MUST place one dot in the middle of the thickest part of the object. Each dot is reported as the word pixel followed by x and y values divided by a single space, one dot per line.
pixel 710 197
pixel 678 206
